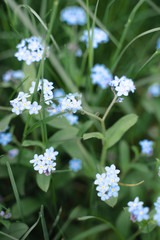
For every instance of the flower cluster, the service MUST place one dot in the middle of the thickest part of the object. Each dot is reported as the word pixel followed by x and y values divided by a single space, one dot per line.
pixel 99 36
pixel 47 89
pixel 74 15
pixel 108 183
pixel 5 138
pixel 154 90
pixel 123 86
pixel 10 75
pixel 146 146
pixel 138 212
pixel 45 163
pixel 71 102
pixel 21 103
pixel 156 217
pixel 5 215
pixel 30 50
pixel 59 96
pixel 75 164
pixel 101 75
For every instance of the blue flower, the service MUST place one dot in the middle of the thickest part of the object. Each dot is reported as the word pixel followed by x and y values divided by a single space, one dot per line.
pixel 54 109
pixel 71 102
pixel 107 183
pixel 5 138
pixel 123 86
pixel 34 108
pixel 154 90
pixel 79 52
pixel 18 74
pixel 73 119
pixel 58 93
pixel 74 15
pixel 156 217
pixel 45 163
pixel 146 146
pixel 113 190
pixel 99 36
pixel 141 214
pixel 75 164
pixel 13 152
pixel 7 76
pixel 136 204
pixel 30 50
pixel 157 204
pixel 101 75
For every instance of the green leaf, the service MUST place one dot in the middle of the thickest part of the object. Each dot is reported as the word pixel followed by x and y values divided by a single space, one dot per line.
pixel 5 223
pixel 93 135
pixel 123 220
pixel 105 221
pixel 43 181
pixel 146 227
pixel 91 232
pixel 29 206
pixel 140 167
pixel 84 127
pixel 15 230
pixel 59 122
pixel 112 201
pixel 124 155
pixel 64 135
pixel 115 133
pixel 30 74
pixel 3 172
pixel 27 143
pixel 5 121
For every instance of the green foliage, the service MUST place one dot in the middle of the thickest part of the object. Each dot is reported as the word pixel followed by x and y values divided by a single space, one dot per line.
pixel 115 133
pixel 69 208
pixel 43 181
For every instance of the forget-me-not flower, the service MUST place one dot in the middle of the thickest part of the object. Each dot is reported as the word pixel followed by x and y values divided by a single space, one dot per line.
pixel 99 36
pixel 146 146
pixel 154 90
pixel 45 163
pixel 101 75
pixel 73 119
pixel 74 15
pixel 5 138
pixel 123 86
pixel 30 50
pixel 107 183
pixel 75 164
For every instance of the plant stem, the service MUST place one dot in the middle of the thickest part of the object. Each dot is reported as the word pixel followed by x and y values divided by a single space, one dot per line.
pixel 130 185
pixel 110 106
pixel 92 115
pixel 5 108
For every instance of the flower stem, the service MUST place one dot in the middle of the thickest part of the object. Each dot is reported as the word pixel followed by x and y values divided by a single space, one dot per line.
pixel 91 114
pixel 110 106
pixel 131 185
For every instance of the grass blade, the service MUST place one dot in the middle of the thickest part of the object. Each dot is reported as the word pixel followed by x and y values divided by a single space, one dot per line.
pixel 16 194
pixel 98 22
pixel 44 227
pixel 132 41
pixel 8 236
pixel 31 228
